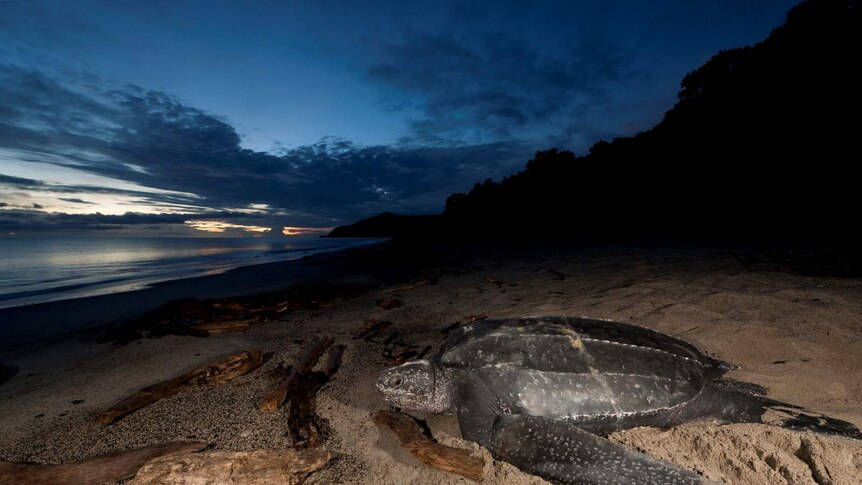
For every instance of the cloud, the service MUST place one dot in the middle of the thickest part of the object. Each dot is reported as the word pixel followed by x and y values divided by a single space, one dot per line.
pixel 139 150
pixel 498 88
pixel 16 219
pixel 19 182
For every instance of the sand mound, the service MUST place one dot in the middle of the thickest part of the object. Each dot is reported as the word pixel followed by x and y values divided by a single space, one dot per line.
pixel 752 454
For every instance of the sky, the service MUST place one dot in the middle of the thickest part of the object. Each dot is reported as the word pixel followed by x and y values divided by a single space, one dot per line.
pixel 278 118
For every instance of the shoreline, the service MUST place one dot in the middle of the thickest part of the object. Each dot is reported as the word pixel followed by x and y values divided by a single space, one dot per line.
pixel 212 256
pixel 34 324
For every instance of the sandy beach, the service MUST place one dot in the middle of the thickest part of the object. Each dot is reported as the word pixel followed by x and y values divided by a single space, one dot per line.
pixel 798 336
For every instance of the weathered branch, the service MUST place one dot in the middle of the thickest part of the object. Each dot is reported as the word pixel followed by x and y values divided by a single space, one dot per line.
pixel 333 361
pixel 309 358
pixel 494 281
pixel 191 316
pixel 371 329
pixel 287 467
pixel 406 354
pixel 390 303
pixel 229 326
pixel 420 282
pixel 107 468
pixel 462 322
pixel 217 372
pixel 428 451
pixel 303 424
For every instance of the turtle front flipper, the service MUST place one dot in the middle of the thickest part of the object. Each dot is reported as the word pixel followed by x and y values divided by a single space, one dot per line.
pixel 478 409
pixel 561 452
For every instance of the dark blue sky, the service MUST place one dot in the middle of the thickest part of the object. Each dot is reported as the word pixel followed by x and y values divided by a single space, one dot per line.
pixel 244 115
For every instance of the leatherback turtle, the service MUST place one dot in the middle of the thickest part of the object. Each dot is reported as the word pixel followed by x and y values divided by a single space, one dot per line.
pixel 540 392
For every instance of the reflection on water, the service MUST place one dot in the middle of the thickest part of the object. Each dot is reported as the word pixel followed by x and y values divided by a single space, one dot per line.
pixel 35 270
pixel 212 251
pixel 101 255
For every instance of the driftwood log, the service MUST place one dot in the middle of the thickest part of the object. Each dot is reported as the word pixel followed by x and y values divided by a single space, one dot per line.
pixel 407 353
pixel 390 303
pixel 257 467
pixel 333 362
pixel 191 316
pixel 229 326
pixel 428 451
pixel 107 468
pixel 372 328
pixel 215 373
pixel 300 389
pixel 494 281
pixel 463 321
pixel 310 356
pixel 303 424
pixel 419 282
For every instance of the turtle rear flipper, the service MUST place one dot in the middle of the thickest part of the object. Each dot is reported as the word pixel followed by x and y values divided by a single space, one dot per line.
pixel 788 416
pixel 732 405
pixel 802 421
pixel 563 453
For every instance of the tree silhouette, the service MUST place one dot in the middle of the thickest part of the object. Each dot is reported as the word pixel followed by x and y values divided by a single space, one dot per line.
pixel 761 146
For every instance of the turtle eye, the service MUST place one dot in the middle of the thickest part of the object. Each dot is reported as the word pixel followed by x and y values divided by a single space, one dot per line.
pixel 395 381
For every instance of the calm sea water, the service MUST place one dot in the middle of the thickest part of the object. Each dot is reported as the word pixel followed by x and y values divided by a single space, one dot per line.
pixel 36 270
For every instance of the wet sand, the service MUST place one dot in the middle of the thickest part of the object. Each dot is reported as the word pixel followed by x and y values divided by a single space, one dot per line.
pixel 798 336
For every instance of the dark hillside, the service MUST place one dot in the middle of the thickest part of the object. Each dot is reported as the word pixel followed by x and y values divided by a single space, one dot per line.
pixel 762 146
pixel 763 143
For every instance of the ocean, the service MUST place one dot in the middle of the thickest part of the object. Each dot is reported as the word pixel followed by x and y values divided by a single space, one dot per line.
pixel 38 270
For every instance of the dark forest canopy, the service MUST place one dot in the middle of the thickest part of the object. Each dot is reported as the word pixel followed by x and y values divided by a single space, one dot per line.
pixel 762 145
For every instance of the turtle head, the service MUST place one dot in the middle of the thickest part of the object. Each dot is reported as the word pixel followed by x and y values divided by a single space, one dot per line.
pixel 416 386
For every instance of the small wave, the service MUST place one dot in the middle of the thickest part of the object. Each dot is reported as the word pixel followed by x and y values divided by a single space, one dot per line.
pixel 36 275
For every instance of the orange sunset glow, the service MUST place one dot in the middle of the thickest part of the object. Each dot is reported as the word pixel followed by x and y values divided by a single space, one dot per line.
pixel 221 227
pixel 302 231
